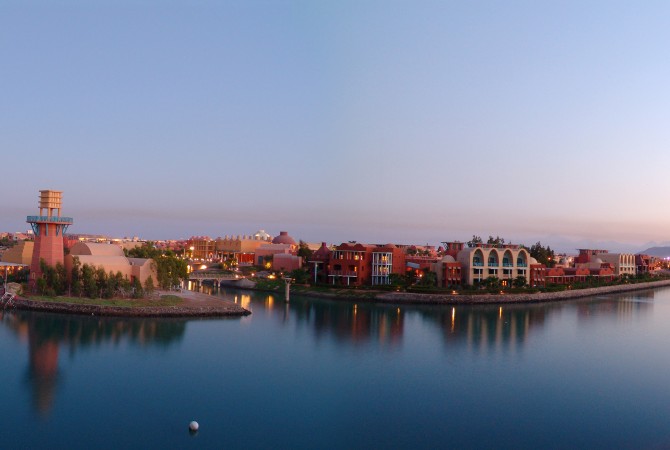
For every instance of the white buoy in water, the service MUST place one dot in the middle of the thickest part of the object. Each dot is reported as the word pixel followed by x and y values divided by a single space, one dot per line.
pixel 193 426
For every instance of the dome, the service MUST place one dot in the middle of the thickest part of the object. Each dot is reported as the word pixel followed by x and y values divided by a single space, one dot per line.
pixel 597 261
pixel 283 238
pixel 448 259
pixel 261 234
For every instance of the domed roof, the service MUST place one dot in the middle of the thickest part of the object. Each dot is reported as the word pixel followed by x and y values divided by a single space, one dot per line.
pixel 597 261
pixel 448 258
pixel 533 260
pixel 261 234
pixel 283 238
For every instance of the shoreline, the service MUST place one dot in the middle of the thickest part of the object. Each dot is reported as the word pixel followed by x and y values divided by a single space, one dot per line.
pixel 196 304
pixel 479 299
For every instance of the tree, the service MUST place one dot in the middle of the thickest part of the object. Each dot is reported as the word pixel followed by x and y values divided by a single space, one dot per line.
pixel 60 279
pixel 90 287
pixel 395 279
pixel 170 270
pixel 304 251
pixel 474 241
pixel 300 276
pixel 428 278
pixel 519 281
pixel 75 278
pixel 138 292
pixel 100 281
pixel 497 241
pixel 149 286
pixel 492 282
pixel 543 255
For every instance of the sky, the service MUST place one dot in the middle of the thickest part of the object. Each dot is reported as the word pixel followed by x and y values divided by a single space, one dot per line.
pixel 376 121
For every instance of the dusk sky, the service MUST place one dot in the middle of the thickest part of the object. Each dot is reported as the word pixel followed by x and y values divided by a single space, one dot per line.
pixel 376 121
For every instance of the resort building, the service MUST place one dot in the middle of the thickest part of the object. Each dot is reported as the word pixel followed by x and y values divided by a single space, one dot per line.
pixel 623 263
pixel 112 259
pixel 201 248
pixel 318 264
pixel 241 248
pixel 20 253
pixel 355 264
pixel 505 262
pixel 283 244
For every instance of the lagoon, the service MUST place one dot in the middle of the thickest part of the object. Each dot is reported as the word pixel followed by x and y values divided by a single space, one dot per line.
pixel 331 374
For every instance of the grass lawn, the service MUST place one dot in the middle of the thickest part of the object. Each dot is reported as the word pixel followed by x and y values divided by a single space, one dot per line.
pixel 164 300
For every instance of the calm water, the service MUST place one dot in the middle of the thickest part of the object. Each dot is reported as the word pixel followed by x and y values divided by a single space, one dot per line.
pixel 319 374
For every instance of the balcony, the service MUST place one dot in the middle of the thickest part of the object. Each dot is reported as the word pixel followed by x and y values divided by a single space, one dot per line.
pixel 342 273
pixel 49 219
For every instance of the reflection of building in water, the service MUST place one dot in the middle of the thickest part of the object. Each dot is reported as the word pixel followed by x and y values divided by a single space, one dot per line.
pixel 622 307
pixel 42 371
pixel 486 327
pixel 358 323
pixel 46 332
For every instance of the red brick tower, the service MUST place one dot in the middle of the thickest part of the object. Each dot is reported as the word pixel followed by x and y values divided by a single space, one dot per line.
pixel 48 227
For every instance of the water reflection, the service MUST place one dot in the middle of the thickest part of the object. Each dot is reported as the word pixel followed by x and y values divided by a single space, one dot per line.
pixel 481 328
pixel 47 332
pixel 623 308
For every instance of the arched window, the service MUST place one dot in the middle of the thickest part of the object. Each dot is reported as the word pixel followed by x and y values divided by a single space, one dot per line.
pixel 508 260
pixel 522 259
pixel 493 258
pixel 478 258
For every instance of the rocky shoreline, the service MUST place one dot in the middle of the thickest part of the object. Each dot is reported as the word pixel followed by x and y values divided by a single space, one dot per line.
pixel 195 305
pixel 479 299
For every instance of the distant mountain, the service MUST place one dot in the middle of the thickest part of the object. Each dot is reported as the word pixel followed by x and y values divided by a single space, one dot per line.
pixel 661 252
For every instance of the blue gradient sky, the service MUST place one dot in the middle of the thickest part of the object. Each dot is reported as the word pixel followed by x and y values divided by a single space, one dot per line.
pixel 351 120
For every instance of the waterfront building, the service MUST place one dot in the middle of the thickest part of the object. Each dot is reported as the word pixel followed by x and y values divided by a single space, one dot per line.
pixel 269 253
pixel 541 275
pixel 48 228
pixel 448 272
pixel 586 254
pixel 20 253
pixel 240 248
pixel 505 262
pixel 647 263
pixel 538 274
pixel 622 263
pixel 318 264
pixel 286 262
pixel 355 264
pixel 201 248
pixel 112 259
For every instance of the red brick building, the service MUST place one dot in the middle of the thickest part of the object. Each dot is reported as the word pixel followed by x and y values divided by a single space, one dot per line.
pixel 355 264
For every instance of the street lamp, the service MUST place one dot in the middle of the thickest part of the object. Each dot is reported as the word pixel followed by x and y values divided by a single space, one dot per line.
pixel 288 280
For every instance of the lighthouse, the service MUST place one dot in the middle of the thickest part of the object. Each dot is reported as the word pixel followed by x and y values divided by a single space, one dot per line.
pixel 48 228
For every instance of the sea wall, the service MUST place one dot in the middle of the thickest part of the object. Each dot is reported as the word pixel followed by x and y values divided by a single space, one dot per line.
pixel 460 299
pixel 222 310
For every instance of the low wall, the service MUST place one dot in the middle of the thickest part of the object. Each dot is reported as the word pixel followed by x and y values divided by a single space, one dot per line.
pixel 460 299
pixel 120 311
